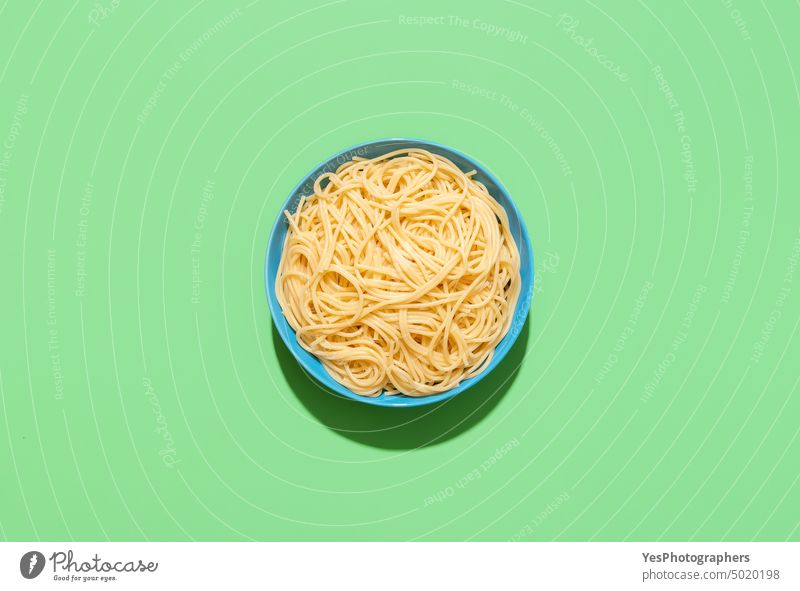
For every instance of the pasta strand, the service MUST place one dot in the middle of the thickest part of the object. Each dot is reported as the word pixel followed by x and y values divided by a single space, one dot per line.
pixel 399 273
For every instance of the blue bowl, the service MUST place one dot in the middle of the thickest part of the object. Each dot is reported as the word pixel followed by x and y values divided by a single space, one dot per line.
pixel 371 149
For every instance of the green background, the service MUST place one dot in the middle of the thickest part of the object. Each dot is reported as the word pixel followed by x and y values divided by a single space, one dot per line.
pixel 147 148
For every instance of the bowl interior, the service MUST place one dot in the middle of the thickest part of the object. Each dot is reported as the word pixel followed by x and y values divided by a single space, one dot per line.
pixel 370 150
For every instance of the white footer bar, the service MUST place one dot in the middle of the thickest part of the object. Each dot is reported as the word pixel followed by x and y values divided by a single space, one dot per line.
pixel 390 566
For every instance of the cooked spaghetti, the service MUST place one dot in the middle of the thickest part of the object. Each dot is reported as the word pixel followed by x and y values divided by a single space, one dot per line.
pixel 399 274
